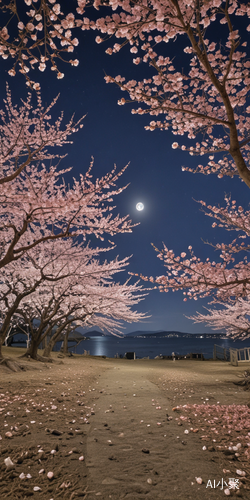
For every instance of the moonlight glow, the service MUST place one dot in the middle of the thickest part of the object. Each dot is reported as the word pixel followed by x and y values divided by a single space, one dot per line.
pixel 139 206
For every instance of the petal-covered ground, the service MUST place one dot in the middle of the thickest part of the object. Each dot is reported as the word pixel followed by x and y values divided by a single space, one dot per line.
pixel 44 417
pixel 85 427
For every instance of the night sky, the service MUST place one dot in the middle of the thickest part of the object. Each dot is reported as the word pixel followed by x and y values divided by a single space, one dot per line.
pixel 112 135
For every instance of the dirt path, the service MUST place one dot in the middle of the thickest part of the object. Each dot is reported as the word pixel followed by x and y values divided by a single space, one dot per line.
pixel 106 429
pixel 136 450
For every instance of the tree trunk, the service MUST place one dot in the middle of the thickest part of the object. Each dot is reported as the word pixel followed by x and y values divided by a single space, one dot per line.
pixel 51 343
pixel 45 342
pixel 32 349
pixel 5 328
pixel 48 348
pixel 1 343
pixel 65 342
pixel 53 340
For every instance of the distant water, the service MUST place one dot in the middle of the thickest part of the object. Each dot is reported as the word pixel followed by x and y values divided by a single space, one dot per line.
pixel 143 347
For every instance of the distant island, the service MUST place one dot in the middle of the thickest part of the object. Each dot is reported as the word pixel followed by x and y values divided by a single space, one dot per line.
pixel 158 334
pixel 168 334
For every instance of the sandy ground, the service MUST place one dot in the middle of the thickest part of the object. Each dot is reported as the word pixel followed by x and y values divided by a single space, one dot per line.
pixel 123 429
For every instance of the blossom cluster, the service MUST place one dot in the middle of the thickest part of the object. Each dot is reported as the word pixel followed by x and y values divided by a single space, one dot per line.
pixel 27 134
pixel 232 317
pixel 42 35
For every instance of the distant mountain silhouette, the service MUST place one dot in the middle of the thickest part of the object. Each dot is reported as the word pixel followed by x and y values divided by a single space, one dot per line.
pixel 157 333
pixel 170 333
pixel 93 333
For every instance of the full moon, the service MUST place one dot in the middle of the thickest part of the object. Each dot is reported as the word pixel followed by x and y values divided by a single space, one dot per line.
pixel 139 206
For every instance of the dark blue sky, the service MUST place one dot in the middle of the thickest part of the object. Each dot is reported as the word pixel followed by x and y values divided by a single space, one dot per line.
pixel 112 135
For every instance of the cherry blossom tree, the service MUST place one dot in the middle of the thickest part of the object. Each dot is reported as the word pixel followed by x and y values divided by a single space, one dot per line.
pixel 88 297
pixel 36 198
pixel 199 89
pixel 38 210
pixel 15 286
pixel 106 306
pixel 60 283
pixel 44 263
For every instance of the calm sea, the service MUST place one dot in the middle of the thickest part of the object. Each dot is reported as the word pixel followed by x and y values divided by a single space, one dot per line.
pixel 143 347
